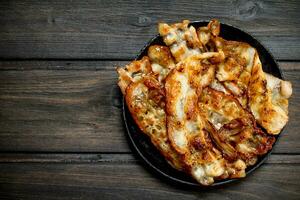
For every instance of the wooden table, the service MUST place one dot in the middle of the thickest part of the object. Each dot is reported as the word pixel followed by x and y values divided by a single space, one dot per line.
pixel 61 131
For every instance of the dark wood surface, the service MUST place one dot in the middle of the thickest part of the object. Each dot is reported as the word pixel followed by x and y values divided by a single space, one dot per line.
pixel 93 29
pixel 61 131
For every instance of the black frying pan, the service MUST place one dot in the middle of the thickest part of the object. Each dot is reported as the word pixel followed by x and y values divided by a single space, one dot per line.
pixel 142 144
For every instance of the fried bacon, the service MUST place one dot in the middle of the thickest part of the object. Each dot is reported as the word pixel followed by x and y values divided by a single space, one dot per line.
pixel 202 101
pixel 133 72
pixel 182 39
pixel 236 132
pixel 150 116
pixel 186 127
pixel 268 99
pixel 161 61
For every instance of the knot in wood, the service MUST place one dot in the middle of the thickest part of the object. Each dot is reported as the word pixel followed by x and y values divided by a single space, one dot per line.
pixel 246 10
pixel 143 21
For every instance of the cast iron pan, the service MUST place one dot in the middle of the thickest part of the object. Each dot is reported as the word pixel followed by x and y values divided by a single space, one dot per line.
pixel 142 144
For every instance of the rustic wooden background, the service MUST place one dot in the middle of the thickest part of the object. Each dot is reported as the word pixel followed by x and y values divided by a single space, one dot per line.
pixel 61 132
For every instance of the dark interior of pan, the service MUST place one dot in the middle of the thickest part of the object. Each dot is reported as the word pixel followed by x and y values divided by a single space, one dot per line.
pixel 143 146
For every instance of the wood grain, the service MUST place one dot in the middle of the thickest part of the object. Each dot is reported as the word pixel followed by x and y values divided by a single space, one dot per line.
pixel 75 158
pixel 61 129
pixel 119 29
pixel 60 111
pixel 76 107
pixel 132 181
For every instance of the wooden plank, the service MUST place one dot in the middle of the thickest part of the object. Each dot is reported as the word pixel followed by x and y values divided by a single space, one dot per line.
pixel 108 158
pixel 74 158
pixel 73 65
pixel 283 159
pixel 133 181
pixel 21 65
pixel 119 29
pixel 72 110
pixel 68 65
pixel 60 110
